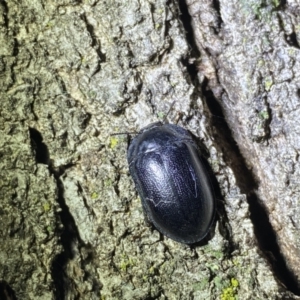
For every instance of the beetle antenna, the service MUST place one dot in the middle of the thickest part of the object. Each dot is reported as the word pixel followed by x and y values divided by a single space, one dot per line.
pixel 171 107
pixel 119 133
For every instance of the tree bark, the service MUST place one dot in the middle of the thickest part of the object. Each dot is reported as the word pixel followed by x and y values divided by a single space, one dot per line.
pixel 73 73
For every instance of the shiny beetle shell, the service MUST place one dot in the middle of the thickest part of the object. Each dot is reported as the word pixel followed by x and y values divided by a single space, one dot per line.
pixel 172 182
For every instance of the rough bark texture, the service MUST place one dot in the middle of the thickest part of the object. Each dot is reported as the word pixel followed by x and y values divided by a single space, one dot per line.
pixel 72 73
pixel 256 58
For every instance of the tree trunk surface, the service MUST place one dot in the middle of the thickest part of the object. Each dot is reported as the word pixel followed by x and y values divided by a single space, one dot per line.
pixel 72 73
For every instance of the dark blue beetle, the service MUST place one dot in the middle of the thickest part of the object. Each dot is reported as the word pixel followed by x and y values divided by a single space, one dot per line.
pixel 172 182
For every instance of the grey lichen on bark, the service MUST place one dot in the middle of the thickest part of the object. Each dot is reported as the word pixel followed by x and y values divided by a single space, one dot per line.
pixel 72 74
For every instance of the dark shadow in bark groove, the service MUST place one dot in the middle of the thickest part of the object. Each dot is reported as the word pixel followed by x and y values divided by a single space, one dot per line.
pixel 69 234
pixel 216 5
pixel 6 292
pixel 267 242
pixel 186 22
pixel 4 13
pixel 244 177
pixel 68 237
pixel 40 148
pixel 291 39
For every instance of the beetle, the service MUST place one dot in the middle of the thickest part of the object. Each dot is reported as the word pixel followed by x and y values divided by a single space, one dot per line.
pixel 172 182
